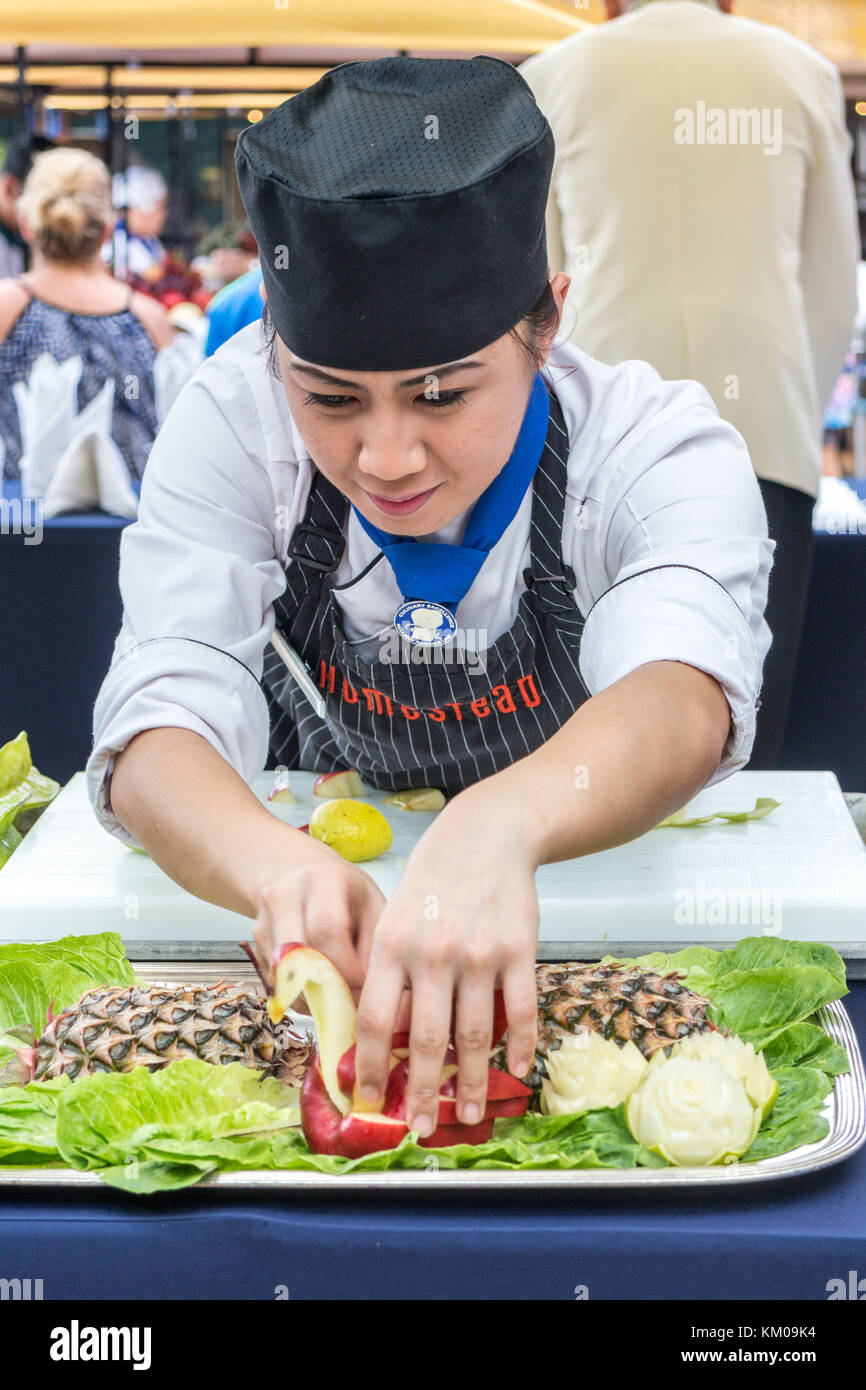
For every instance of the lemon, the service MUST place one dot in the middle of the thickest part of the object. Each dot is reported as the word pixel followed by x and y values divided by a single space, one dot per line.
pixel 356 830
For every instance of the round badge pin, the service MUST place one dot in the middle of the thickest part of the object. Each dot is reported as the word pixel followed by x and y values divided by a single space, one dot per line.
pixel 425 624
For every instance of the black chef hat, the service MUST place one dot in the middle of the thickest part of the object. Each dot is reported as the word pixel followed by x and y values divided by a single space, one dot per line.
pixel 399 208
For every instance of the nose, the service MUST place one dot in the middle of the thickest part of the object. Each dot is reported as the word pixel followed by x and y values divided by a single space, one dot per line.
pixel 389 452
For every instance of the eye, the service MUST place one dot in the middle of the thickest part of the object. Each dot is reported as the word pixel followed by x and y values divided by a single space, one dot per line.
pixel 446 398
pixel 329 402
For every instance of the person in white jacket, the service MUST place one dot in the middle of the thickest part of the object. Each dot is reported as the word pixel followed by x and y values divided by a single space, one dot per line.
pixel 703 206
pixel 539 592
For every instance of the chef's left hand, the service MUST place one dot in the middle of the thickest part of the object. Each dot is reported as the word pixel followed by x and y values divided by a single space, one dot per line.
pixel 462 922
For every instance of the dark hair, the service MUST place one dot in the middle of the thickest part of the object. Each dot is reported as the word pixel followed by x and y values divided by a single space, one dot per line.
pixel 542 319
pixel 21 152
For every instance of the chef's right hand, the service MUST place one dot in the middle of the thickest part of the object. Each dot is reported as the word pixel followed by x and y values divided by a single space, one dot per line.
pixel 326 902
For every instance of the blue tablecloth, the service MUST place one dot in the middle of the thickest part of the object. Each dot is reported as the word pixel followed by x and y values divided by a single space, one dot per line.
pixel 782 1240
pixel 62 611
pixel 826 726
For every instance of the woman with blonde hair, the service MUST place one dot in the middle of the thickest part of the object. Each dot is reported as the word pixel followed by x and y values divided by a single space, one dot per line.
pixel 70 305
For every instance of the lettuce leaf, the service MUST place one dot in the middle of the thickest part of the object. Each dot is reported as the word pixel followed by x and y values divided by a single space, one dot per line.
pixel 760 986
pixel 28 1122
pixel 56 973
pixel 599 1139
pixel 808 1045
pixel 115 1119
pixel 22 789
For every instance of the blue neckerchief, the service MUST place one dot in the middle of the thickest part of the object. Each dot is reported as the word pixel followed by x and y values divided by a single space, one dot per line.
pixel 444 573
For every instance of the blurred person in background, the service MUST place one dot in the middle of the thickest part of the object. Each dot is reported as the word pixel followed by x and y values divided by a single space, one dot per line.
pixel 18 157
pixel 702 204
pixel 232 309
pixel 141 197
pixel 69 304
pixel 136 251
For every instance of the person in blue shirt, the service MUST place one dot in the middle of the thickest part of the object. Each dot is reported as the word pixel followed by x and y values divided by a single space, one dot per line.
pixel 232 308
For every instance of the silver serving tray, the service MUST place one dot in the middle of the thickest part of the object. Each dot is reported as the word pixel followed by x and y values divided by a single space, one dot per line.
pixel 845 1108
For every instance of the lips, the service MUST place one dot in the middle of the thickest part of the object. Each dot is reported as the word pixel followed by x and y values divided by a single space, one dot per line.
pixel 403 506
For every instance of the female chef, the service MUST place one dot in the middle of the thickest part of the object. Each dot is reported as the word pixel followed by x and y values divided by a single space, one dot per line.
pixel 541 591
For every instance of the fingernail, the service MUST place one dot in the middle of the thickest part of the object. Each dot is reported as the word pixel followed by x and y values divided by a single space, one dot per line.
pixel 520 1068
pixel 471 1113
pixel 424 1125
pixel 370 1092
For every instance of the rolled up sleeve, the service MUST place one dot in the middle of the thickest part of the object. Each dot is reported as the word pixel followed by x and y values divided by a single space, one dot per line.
pixel 681 535
pixel 198 576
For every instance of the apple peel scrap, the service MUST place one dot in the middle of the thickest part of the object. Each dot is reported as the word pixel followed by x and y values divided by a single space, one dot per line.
pixel 334 1117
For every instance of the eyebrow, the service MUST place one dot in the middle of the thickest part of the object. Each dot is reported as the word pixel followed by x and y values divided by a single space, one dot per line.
pixel 411 381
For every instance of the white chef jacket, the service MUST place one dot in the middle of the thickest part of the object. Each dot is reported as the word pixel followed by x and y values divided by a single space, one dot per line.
pixel 660 492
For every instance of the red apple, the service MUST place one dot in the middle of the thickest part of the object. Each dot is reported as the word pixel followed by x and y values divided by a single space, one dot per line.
pixel 368 1133
pixel 344 782
pixel 320 1118
pixel 444 1136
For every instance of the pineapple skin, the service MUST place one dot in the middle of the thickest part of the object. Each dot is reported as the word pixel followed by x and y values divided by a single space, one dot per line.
pixel 622 1003
pixel 117 1029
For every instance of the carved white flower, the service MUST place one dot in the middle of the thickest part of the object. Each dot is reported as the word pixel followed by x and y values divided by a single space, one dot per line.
pixel 589 1072
pixel 693 1113
pixel 738 1058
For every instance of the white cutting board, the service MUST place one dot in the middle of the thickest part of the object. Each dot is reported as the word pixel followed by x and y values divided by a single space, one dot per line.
pixel 801 873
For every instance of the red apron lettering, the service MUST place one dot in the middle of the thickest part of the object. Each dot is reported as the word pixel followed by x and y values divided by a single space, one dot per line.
pixel 480 707
pixel 437 714
pixel 527 683
pixel 409 712
pixel 327 677
pixel 504 702
pixel 456 708
pixel 375 698
pixel 350 694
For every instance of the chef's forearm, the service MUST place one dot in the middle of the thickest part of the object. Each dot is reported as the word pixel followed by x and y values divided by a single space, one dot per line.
pixel 198 820
pixel 631 755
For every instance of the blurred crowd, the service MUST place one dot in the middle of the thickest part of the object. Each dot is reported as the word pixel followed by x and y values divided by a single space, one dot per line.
pixel 93 304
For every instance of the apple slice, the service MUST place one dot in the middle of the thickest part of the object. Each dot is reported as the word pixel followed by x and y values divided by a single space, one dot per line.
pixel 417 799
pixel 444 1136
pixel 320 1118
pixel 345 782
pixel 300 969
pixel 501 1085
pixel 281 793
pixel 362 1134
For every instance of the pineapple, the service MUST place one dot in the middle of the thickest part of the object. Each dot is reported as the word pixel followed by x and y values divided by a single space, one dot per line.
pixel 116 1029
pixel 620 1002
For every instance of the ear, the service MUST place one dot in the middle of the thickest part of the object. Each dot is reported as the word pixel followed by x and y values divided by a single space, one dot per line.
pixel 263 292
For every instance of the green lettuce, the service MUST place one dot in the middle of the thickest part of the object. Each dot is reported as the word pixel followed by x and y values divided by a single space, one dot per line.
pixel 23 791
pixel 760 986
pixel 184 1116
pixel 54 974
pixel 28 1117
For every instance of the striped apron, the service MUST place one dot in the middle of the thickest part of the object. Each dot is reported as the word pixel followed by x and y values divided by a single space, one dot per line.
pixel 435 721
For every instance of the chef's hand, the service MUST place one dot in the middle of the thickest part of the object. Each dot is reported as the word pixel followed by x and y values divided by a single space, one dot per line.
pixel 462 921
pixel 326 902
